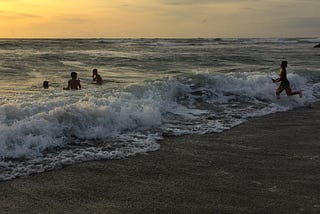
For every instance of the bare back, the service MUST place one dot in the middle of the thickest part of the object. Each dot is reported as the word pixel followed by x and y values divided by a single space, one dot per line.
pixel 74 84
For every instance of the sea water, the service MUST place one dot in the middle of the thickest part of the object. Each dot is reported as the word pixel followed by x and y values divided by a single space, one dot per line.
pixel 152 88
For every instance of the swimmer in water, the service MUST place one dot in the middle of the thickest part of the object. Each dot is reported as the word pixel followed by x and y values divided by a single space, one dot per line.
pixel 96 77
pixel 74 83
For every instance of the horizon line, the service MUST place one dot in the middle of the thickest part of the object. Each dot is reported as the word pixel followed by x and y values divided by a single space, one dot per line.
pixel 87 38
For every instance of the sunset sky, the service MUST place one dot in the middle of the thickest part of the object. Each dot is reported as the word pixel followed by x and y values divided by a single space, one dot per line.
pixel 159 18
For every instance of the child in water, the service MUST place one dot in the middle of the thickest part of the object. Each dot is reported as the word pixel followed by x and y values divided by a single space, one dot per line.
pixel 45 84
pixel 96 77
pixel 285 84
pixel 74 83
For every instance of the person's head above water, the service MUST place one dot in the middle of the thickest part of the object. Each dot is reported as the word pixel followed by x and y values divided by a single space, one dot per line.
pixel 95 71
pixel 284 64
pixel 45 84
pixel 74 75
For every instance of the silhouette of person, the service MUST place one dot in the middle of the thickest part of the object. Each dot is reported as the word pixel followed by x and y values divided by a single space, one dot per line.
pixel 74 83
pixel 285 84
pixel 96 77
pixel 45 84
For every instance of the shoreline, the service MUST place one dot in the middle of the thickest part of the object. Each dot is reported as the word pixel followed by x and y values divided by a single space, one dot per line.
pixel 268 164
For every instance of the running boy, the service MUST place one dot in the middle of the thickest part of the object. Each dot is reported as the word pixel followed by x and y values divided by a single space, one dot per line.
pixel 285 84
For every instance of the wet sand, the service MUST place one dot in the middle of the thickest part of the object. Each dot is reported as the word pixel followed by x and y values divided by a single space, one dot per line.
pixel 266 165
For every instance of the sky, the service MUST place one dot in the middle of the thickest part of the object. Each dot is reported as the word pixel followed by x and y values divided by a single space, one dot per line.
pixel 159 18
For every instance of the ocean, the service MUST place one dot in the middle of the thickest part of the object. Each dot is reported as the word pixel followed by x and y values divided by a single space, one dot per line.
pixel 153 89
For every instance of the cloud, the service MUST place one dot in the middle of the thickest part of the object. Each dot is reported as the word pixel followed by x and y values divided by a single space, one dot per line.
pixel 200 2
pixel 73 19
pixel 185 2
pixel 304 22
pixel 13 15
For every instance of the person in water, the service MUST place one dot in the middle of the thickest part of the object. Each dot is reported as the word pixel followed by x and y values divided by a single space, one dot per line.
pixel 96 77
pixel 74 83
pixel 285 84
pixel 45 84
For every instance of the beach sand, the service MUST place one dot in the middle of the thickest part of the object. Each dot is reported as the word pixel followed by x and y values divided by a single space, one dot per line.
pixel 269 164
